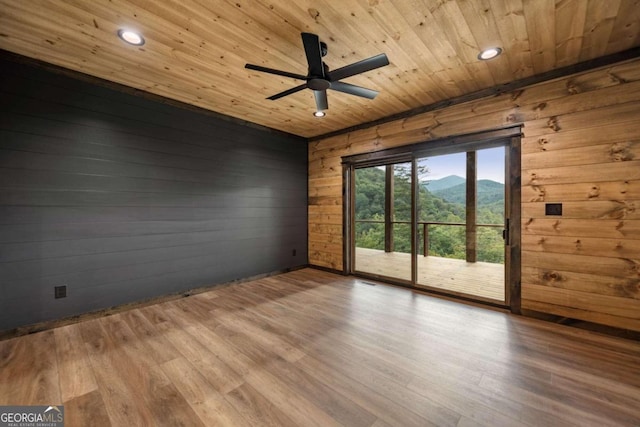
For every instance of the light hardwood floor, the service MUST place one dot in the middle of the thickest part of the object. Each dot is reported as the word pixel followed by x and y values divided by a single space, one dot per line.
pixel 311 348
pixel 481 279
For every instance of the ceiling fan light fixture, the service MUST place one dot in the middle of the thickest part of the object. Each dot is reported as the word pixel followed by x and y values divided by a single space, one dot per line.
pixel 131 37
pixel 490 53
pixel 319 114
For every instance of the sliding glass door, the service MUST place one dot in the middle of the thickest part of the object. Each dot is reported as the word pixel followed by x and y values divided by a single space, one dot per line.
pixel 438 216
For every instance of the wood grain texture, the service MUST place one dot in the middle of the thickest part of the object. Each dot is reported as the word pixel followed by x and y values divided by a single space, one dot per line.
pixel 432 46
pixel 478 279
pixel 312 348
pixel 579 148
pixel 76 377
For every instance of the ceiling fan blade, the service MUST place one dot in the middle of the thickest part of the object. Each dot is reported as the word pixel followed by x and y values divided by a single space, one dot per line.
pixel 354 90
pixel 321 99
pixel 311 44
pixel 287 92
pixel 359 67
pixel 274 71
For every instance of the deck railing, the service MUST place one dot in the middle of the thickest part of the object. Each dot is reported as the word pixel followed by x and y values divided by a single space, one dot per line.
pixel 425 228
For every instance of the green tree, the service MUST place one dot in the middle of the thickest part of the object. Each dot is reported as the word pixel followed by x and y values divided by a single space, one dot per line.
pixel 444 240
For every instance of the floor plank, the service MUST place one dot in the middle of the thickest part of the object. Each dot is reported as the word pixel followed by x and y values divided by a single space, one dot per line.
pixel 29 370
pixel 122 404
pixel 75 374
pixel 314 348
pixel 257 409
pixel 202 395
pixel 87 410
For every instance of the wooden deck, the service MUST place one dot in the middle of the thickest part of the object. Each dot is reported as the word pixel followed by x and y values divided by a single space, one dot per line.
pixel 310 348
pixel 481 279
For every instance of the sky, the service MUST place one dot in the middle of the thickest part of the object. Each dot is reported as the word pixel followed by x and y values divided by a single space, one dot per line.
pixel 490 165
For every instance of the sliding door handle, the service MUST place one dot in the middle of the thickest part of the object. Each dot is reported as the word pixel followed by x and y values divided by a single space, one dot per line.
pixel 505 232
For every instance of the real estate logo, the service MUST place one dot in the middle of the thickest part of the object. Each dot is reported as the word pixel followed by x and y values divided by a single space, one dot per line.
pixel 31 416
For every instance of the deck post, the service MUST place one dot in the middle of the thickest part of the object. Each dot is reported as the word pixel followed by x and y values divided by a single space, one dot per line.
pixel 425 236
pixel 388 209
pixel 471 228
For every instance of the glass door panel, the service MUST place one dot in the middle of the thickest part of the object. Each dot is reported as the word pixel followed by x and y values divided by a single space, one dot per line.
pixel 382 221
pixel 490 199
pixel 460 223
pixel 441 206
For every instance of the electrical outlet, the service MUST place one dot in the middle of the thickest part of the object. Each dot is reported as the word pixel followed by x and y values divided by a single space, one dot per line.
pixel 293 253
pixel 60 291
pixel 553 209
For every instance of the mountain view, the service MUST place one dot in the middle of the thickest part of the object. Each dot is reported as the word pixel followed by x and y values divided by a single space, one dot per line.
pixel 441 200
pixel 444 183
pixel 488 191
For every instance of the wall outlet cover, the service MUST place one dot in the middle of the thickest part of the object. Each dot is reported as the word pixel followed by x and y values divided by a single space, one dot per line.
pixel 553 209
pixel 60 291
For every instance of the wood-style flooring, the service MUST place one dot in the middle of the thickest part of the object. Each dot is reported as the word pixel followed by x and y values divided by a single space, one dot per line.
pixel 311 348
pixel 480 279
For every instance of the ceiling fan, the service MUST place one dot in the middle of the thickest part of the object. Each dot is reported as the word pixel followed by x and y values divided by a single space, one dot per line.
pixel 319 78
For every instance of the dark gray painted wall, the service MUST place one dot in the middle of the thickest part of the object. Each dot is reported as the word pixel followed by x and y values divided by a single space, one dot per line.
pixel 122 198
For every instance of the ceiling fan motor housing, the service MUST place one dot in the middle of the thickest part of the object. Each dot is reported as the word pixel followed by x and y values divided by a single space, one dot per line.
pixel 318 84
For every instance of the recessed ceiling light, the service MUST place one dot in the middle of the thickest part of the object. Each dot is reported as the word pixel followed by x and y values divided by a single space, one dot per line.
pixel 131 37
pixel 319 114
pixel 489 53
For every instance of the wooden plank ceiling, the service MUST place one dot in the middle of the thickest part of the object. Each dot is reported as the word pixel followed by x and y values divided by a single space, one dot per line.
pixel 196 50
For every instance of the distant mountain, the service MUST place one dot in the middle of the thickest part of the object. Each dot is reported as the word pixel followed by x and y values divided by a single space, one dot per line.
pixel 489 192
pixel 443 183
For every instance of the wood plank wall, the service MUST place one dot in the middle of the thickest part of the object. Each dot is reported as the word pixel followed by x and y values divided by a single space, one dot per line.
pixel 581 147
pixel 122 198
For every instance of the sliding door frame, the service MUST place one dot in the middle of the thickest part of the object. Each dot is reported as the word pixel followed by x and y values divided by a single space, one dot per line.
pixel 508 137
